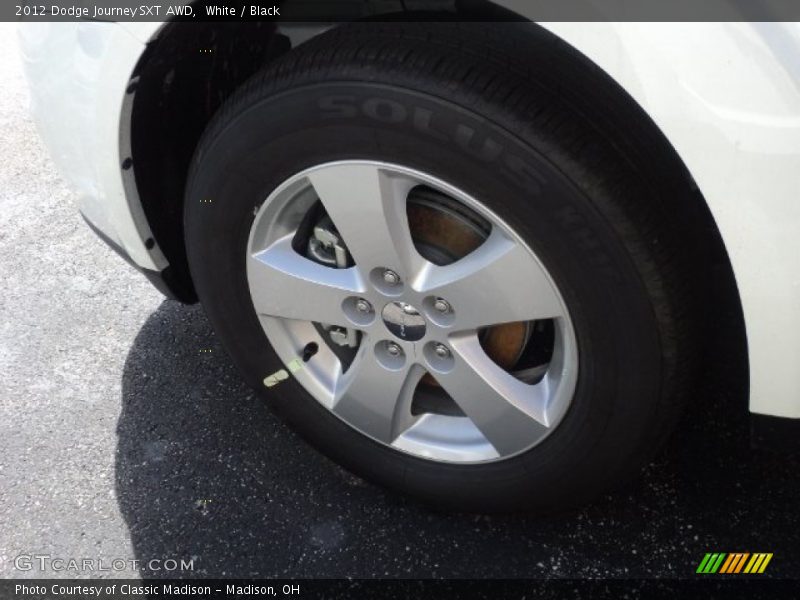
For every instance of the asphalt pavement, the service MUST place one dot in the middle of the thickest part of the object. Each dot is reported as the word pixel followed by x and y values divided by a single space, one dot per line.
pixel 122 437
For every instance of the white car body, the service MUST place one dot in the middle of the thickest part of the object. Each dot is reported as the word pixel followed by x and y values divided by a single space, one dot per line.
pixel 726 96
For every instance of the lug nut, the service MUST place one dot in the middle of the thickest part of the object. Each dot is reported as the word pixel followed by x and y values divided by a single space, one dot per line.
pixel 390 277
pixel 393 349
pixel 441 305
pixel 441 351
pixel 363 306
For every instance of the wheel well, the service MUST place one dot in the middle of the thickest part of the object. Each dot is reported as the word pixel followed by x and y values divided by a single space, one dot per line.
pixel 189 69
pixel 184 75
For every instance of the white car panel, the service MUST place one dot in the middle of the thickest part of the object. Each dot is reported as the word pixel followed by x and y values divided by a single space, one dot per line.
pixel 727 96
pixel 79 73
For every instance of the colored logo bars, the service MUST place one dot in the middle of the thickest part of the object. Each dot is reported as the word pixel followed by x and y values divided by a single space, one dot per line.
pixel 734 563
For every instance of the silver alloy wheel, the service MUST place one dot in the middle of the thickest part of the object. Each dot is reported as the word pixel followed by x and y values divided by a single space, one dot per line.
pixel 431 313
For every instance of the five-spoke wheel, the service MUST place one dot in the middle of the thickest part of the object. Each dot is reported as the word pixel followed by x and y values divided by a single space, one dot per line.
pixel 412 316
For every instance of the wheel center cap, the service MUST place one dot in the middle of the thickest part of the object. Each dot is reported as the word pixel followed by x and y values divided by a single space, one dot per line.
pixel 404 321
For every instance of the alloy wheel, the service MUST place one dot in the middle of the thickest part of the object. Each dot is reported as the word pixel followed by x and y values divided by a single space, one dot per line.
pixel 372 320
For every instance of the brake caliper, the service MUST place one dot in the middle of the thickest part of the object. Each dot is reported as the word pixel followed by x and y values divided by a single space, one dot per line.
pixel 325 246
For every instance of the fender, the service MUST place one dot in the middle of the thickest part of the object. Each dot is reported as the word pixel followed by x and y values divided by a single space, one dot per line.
pixel 727 97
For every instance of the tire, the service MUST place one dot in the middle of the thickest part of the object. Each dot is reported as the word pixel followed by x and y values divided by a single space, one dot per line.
pixel 458 102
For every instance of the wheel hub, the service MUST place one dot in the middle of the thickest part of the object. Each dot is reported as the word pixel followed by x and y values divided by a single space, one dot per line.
pixel 404 321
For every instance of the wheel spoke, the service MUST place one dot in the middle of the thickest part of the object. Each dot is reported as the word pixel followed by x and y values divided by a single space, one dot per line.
pixel 511 414
pixel 374 399
pixel 498 282
pixel 368 207
pixel 285 284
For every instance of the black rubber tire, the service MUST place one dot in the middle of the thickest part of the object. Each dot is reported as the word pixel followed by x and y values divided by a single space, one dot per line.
pixel 524 125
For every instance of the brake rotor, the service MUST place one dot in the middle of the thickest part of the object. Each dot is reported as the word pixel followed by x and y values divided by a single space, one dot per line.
pixel 443 232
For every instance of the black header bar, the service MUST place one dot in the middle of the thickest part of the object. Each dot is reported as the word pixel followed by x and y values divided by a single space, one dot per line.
pixel 410 10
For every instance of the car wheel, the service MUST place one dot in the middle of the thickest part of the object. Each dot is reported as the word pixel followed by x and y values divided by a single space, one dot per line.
pixel 438 272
